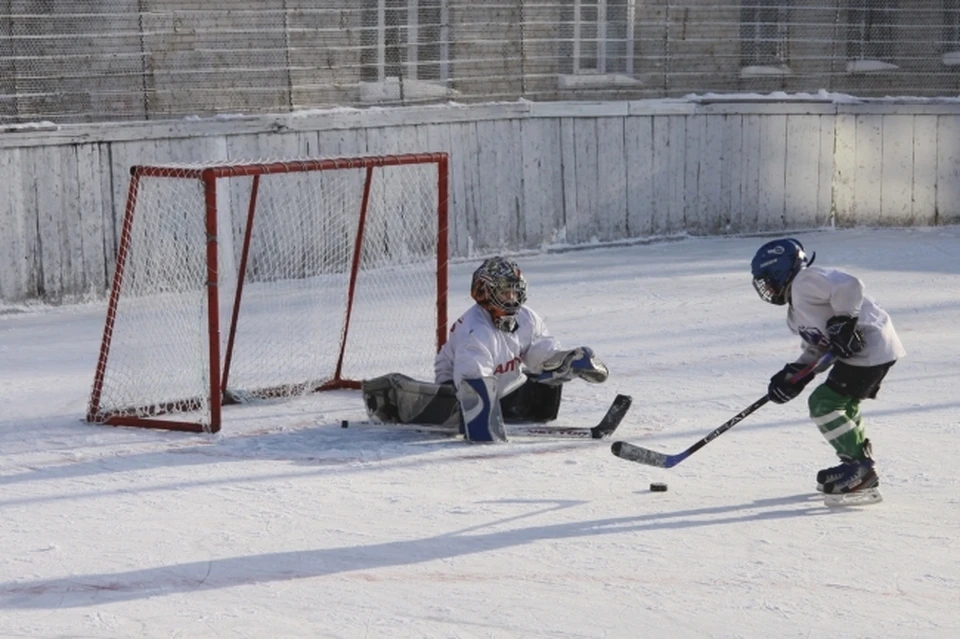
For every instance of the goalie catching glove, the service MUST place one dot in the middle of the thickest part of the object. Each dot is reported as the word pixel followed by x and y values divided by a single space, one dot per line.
pixel 563 366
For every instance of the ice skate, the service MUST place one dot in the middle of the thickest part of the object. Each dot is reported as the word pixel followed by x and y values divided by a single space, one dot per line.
pixel 853 481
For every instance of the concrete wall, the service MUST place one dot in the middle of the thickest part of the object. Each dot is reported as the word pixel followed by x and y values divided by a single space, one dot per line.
pixel 523 175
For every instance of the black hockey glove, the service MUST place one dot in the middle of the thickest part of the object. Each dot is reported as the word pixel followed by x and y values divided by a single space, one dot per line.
pixel 846 340
pixel 781 390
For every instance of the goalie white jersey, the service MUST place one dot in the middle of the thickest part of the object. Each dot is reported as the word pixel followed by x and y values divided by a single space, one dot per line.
pixel 817 294
pixel 476 348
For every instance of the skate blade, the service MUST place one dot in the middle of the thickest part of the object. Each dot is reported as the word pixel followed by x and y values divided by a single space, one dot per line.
pixel 858 498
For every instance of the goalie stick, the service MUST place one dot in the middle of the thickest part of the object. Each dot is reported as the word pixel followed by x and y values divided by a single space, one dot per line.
pixel 641 455
pixel 604 428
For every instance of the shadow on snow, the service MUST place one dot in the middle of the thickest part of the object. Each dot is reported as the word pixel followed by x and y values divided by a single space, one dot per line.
pixel 99 589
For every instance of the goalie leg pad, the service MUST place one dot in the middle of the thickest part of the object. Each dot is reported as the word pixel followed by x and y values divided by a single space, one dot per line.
pixel 397 398
pixel 482 419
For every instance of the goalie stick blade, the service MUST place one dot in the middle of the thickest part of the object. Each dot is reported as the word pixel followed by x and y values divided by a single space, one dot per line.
pixel 604 428
pixel 611 421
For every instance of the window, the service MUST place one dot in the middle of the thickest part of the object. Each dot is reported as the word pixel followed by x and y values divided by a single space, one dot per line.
pixel 763 33
pixel 597 36
pixel 404 40
pixel 870 27
pixel 951 32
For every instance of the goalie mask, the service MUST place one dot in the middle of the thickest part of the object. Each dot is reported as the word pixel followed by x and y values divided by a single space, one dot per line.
pixel 499 288
pixel 774 267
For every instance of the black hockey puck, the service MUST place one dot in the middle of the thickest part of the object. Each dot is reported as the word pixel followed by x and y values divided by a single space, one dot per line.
pixel 344 423
pixel 658 487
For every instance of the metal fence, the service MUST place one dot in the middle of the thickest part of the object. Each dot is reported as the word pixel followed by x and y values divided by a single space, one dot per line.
pixel 106 60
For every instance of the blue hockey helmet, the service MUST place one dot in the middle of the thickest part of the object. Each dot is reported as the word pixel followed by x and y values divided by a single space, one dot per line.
pixel 774 267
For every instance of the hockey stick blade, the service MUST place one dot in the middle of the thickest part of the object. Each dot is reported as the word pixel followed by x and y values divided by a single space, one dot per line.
pixel 604 428
pixel 641 455
pixel 611 421
pixel 629 452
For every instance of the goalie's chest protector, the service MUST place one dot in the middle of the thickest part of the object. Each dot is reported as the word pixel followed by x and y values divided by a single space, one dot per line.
pixel 482 350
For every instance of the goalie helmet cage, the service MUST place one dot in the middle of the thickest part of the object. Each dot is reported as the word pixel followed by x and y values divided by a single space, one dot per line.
pixel 323 271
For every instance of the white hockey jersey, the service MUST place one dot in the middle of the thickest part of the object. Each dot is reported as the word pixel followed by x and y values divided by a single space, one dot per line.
pixel 476 348
pixel 817 294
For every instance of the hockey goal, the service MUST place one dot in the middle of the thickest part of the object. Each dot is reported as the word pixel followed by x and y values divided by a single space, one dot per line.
pixel 263 280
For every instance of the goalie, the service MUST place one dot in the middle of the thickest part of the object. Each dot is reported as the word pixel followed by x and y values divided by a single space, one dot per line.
pixel 499 364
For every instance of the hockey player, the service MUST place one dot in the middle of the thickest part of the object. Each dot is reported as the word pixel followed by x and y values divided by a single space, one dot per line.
pixel 827 308
pixel 499 363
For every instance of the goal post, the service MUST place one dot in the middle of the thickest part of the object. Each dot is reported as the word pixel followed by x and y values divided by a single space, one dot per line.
pixel 255 281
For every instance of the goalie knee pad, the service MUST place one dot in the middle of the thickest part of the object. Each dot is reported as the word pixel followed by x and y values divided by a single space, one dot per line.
pixel 482 419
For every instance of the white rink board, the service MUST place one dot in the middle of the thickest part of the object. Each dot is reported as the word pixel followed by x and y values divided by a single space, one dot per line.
pixel 523 176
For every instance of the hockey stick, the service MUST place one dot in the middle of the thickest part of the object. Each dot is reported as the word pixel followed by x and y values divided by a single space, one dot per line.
pixel 604 428
pixel 631 452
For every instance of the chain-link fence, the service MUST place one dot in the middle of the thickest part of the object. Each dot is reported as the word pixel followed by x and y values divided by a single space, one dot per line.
pixel 99 60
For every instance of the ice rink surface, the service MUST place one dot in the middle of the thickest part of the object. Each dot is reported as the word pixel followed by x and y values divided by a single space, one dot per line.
pixel 284 525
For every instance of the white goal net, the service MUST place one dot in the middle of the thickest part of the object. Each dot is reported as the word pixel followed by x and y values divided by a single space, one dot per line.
pixel 263 280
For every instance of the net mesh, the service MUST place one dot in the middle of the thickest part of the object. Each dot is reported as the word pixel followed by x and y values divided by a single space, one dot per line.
pixel 292 313
pixel 159 335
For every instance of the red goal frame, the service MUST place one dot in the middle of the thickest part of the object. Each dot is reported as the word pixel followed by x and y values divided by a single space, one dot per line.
pixel 218 377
